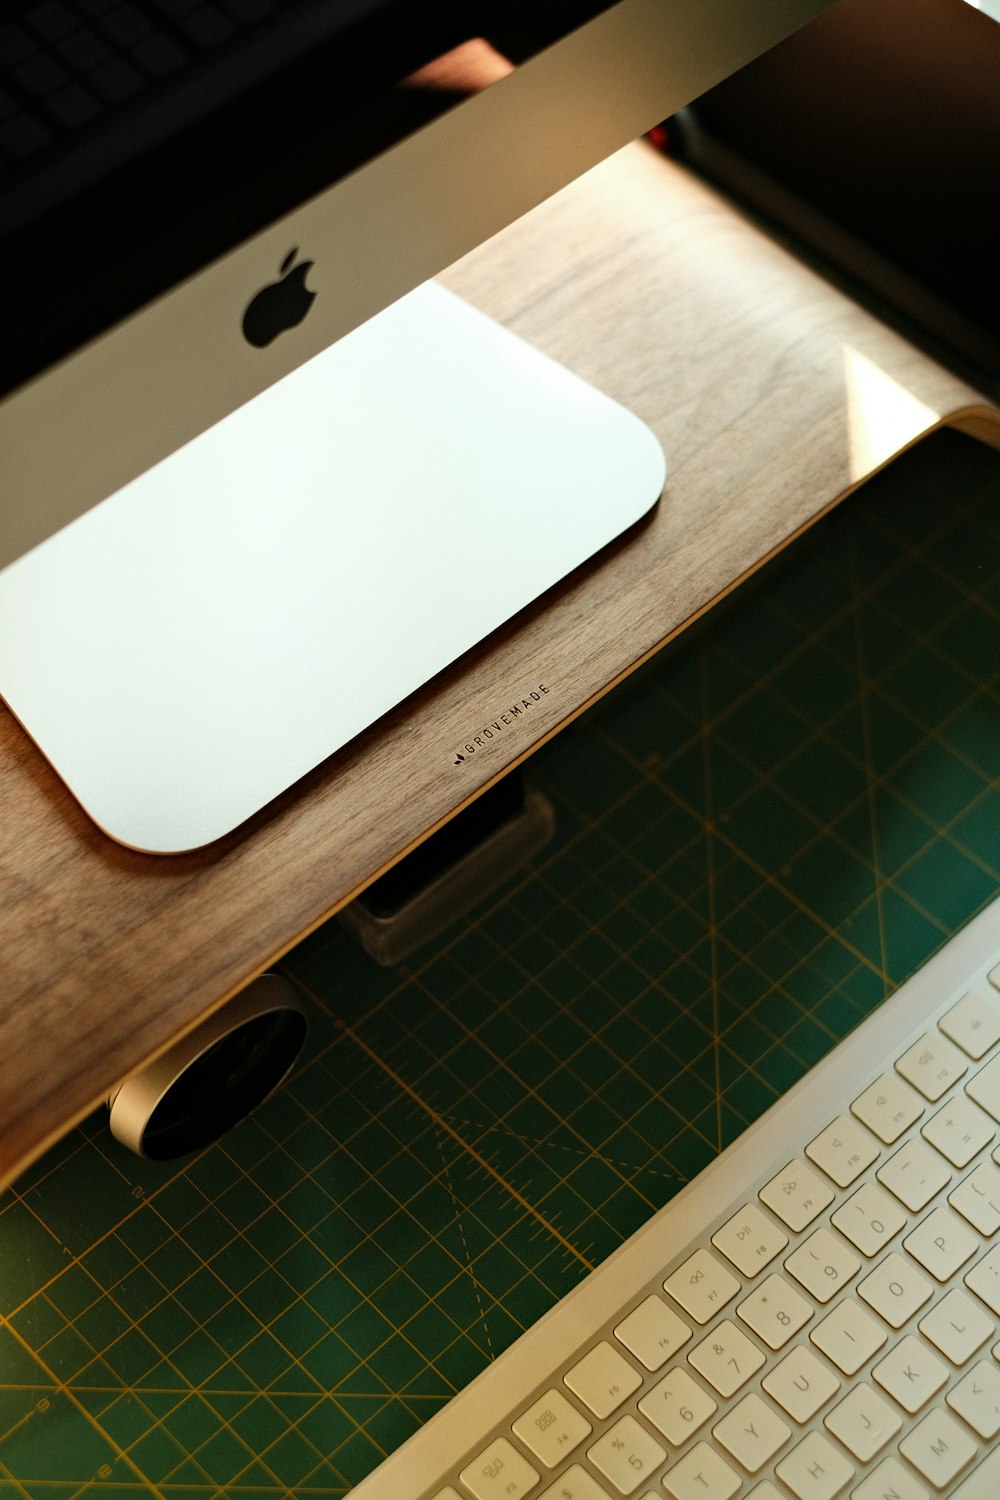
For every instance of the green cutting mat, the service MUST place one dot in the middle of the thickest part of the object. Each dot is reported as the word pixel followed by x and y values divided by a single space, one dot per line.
pixel 758 836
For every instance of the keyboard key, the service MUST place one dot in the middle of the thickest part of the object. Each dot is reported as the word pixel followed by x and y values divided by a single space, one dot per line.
pixel 849 1336
pixel 499 1473
pixel 957 1326
pixel 914 1175
pixel 603 1379
pixel 984 1280
pixel 750 1240
pixel 942 1243
pixel 977 1198
pixel 702 1474
pixel 959 1131
pixel 575 1484
pixel 911 1373
pixel 702 1285
pixel 801 1384
pixel 895 1289
pixel 939 1448
pixel 864 1422
pixel 888 1107
pixel 652 1333
pixel 977 1399
pixel 890 1481
pixel 626 1455
pixel 797 1195
pixel 823 1264
pixel 765 1491
pixel 677 1407
pixel 843 1150
pixel 752 1432
pixel 869 1219
pixel 973 1024
pixel 552 1428
pixel 815 1470
pixel 985 1088
pixel 932 1065
pixel 727 1358
pixel 775 1311
pixel 983 1480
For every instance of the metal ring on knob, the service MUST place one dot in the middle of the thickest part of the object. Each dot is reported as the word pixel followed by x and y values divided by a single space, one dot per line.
pixel 212 1078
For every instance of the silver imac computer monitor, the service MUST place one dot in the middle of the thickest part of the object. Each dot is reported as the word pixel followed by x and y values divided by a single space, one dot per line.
pixel 243 495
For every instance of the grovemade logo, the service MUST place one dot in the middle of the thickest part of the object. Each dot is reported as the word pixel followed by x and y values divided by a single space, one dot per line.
pixel 504 721
pixel 280 305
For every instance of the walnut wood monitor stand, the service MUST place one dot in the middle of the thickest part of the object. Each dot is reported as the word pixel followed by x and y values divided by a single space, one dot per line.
pixel 773 394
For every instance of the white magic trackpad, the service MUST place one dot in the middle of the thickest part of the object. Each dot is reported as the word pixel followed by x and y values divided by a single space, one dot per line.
pixel 200 640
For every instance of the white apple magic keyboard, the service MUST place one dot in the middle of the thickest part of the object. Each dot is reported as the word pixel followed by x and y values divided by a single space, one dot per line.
pixel 815 1315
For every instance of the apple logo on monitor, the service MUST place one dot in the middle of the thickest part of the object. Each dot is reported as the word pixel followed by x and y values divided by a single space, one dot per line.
pixel 280 305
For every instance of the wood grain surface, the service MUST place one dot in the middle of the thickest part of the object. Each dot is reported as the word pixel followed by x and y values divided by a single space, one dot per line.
pixel 773 396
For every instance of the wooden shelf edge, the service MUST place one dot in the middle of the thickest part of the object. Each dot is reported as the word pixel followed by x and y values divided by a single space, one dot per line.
pixel 642 280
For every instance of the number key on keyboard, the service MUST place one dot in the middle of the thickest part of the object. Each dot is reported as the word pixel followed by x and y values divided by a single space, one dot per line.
pixel 822 1264
pixel 677 1407
pixel 775 1311
pixel 626 1455
pixel 727 1358
pixel 575 1484
pixel 869 1219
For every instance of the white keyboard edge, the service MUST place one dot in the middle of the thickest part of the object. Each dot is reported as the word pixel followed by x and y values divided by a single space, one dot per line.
pixel 507 1386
